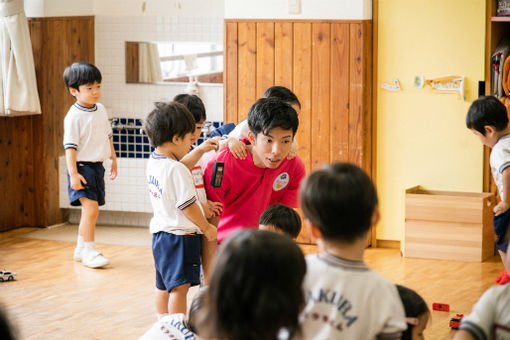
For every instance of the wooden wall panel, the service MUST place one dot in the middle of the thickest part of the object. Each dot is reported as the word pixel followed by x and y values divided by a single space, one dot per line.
pixel 283 59
pixel 265 57
pixel 230 61
pixel 302 88
pixel 247 64
pixel 339 128
pixel 320 92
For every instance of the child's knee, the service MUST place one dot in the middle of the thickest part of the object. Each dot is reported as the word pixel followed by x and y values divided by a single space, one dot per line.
pixel 182 289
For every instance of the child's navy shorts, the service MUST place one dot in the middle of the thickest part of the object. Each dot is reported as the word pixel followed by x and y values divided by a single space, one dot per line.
pixel 500 227
pixel 93 172
pixel 177 259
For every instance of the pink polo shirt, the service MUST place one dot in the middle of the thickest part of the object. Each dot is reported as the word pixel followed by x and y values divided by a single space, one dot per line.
pixel 247 190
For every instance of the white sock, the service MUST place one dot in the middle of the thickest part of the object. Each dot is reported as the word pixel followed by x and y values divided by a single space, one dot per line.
pixel 80 242
pixel 90 245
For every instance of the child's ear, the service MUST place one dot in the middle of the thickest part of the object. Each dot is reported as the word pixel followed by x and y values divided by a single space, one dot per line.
pixel 376 216
pixel 314 231
pixel 489 130
pixel 73 91
pixel 251 137
pixel 176 139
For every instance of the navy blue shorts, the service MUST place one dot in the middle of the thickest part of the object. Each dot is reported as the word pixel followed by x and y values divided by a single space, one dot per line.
pixel 94 189
pixel 500 227
pixel 177 259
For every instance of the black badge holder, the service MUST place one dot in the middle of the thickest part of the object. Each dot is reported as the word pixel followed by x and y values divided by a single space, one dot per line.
pixel 217 174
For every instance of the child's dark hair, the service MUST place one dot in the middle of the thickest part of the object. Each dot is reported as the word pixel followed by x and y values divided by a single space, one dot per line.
pixel 282 218
pixel 194 105
pixel 486 111
pixel 269 113
pixel 81 74
pixel 283 93
pixel 340 200
pixel 197 304
pixel 166 121
pixel 253 293
pixel 7 330
pixel 414 306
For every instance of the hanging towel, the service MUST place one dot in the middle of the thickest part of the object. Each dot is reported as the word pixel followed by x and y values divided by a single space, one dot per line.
pixel 18 86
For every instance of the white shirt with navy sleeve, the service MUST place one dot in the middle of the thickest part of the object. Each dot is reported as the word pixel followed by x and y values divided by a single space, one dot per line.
pixel 88 131
pixel 500 160
pixel 490 318
pixel 347 300
pixel 169 327
pixel 171 190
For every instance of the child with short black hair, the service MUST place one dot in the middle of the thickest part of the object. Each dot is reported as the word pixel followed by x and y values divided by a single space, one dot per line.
pixel 178 220
pixel 345 298
pixel 487 119
pixel 87 143
pixel 490 317
pixel 256 288
pixel 281 219
pixel 417 313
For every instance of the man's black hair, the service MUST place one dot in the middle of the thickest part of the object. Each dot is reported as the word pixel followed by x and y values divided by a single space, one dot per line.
pixel 486 111
pixel 81 74
pixel 283 93
pixel 269 113
pixel 340 200
pixel 194 105
pixel 166 121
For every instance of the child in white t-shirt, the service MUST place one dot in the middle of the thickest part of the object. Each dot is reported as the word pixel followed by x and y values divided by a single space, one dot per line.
pixel 345 298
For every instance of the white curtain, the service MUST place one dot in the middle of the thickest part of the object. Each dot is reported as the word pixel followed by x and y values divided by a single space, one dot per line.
pixel 18 86
pixel 149 64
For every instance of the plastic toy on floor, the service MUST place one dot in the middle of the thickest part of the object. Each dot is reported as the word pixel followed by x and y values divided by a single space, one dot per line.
pixel 455 321
pixel 6 275
pixel 503 278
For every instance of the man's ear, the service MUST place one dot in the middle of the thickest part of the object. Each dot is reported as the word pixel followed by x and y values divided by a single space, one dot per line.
pixel 251 138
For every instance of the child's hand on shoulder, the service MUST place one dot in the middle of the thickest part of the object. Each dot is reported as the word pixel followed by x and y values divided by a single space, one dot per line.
pixel 209 144
pixel 212 209
pixel 77 181
pixel 501 208
pixel 293 150
pixel 237 148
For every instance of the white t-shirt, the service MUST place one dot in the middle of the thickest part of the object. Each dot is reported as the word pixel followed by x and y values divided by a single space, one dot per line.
pixel 500 160
pixel 490 318
pixel 348 300
pixel 88 131
pixel 169 327
pixel 171 191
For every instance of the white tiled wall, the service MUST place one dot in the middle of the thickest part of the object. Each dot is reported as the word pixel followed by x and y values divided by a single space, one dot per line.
pixel 136 100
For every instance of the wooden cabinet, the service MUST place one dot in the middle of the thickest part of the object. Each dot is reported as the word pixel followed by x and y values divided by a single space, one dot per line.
pixel 30 146
pixel 326 63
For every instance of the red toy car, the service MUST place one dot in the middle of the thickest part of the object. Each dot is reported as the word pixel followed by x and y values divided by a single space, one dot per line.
pixel 455 321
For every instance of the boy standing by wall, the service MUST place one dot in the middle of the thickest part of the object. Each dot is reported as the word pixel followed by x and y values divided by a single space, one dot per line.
pixel 488 120
pixel 87 143
pixel 248 184
pixel 345 298
pixel 178 220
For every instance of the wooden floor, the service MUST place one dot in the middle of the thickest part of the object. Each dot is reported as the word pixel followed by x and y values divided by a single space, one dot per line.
pixel 56 298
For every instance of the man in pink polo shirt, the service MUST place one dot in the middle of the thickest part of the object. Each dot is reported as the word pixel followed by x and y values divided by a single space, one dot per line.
pixel 247 185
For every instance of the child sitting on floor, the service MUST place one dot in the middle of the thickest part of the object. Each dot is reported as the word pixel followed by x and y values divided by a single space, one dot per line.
pixel 281 219
pixel 417 313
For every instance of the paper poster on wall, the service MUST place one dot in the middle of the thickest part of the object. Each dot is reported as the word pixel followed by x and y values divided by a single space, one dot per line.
pixel 446 84
pixel 395 86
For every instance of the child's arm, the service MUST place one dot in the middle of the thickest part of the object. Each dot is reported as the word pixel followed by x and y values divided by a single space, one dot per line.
pixel 237 147
pixel 194 214
pixel 113 157
pixel 463 335
pixel 76 179
pixel 193 156
pixel 503 206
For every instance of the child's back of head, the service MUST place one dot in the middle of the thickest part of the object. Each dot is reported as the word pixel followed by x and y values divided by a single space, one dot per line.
pixel 166 121
pixel 256 287
pixel 194 104
pixel 281 219
pixel 486 111
pixel 340 200
pixel 417 313
pixel 269 113
pixel 283 94
pixel 81 74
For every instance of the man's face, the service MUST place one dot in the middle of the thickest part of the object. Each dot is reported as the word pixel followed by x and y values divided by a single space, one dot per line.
pixel 270 150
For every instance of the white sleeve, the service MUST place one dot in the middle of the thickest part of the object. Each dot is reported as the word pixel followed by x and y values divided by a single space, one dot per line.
pixel 240 131
pixel 71 133
pixel 479 322
pixel 182 182
pixel 108 126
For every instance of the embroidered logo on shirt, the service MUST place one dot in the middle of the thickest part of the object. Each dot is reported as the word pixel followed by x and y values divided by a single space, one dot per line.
pixel 281 181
